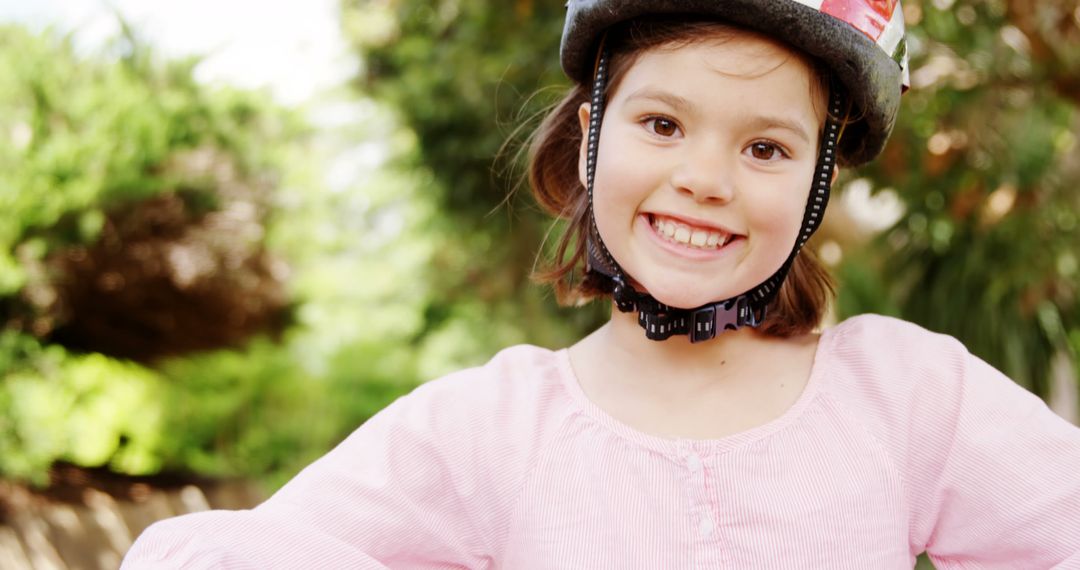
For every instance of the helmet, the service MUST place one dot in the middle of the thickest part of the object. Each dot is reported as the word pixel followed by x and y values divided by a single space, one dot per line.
pixel 861 42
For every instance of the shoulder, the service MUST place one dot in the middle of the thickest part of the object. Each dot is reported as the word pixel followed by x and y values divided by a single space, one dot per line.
pixel 478 428
pixel 907 384
pixel 873 353
pixel 517 400
pixel 888 360
pixel 521 379
pixel 887 345
pixel 892 376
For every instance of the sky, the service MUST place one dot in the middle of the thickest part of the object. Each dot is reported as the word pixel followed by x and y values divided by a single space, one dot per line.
pixel 292 47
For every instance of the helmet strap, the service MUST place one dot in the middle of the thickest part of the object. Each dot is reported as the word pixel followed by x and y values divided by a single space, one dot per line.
pixel 661 321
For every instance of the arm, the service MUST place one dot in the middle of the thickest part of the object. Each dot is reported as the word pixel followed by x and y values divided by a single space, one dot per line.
pixel 1007 493
pixel 991 476
pixel 418 485
pixel 240 540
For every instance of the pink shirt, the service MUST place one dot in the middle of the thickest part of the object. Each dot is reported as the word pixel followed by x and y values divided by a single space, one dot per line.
pixel 901 442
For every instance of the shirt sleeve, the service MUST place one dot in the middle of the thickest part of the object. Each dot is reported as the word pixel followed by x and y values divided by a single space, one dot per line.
pixel 423 484
pixel 240 540
pixel 1007 489
pixel 990 475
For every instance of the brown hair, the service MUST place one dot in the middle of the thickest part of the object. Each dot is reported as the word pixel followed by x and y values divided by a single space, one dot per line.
pixel 554 178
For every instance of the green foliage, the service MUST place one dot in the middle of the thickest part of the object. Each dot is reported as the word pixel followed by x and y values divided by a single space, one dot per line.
pixel 259 412
pixel 459 73
pixel 83 137
pixel 467 77
pixel 142 139
pixel 985 158
pixel 89 410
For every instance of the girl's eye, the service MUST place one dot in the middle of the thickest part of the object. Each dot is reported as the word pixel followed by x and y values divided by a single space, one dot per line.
pixel 767 151
pixel 661 126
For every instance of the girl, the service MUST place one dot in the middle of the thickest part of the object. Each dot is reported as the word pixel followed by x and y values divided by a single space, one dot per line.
pixel 706 425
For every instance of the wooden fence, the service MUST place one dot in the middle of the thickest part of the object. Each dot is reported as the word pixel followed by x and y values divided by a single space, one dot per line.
pixel 95 530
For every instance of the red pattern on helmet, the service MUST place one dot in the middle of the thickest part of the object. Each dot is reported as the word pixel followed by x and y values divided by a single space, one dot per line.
pixel 868 16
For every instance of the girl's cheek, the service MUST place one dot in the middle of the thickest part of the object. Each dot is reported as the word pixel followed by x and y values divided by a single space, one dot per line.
pixel 779 213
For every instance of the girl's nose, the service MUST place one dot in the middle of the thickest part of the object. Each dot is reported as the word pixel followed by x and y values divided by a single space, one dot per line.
pixel 705 175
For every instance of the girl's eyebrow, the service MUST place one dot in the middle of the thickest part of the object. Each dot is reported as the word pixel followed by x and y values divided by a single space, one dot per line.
pixel 765 122
pixel 674 101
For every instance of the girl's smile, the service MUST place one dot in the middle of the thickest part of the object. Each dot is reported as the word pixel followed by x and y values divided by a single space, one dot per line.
pixel 693 239
pixel 705 161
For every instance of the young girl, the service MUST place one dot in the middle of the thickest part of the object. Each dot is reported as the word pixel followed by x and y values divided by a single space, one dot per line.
pixel 706 425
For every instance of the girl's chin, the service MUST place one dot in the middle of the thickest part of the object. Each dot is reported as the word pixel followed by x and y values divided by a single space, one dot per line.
pixel 683 298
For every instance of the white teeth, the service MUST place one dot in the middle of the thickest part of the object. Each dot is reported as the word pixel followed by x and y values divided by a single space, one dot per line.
pixel 682 234
pixel 698 238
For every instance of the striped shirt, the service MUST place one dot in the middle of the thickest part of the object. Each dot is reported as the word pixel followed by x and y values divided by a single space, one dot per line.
pixel 901 442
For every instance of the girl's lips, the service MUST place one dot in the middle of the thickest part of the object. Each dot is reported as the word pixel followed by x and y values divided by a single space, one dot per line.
pixel 724 242
pixel 677 231
pixel 690 222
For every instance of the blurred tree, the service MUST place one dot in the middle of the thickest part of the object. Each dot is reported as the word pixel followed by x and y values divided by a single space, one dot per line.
pixel 461 74
pixel 141 210
pixel 466 76
pixel 135 202
pixel 985 159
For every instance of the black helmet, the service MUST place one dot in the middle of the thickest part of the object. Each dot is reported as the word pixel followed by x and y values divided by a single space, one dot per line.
pixel 861 41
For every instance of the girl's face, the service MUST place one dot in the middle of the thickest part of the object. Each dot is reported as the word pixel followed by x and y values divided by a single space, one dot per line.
pixel 706 157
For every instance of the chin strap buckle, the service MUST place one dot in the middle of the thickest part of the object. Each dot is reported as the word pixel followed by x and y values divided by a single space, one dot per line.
pixel 662 322
pixel 708 321
pixel 703 324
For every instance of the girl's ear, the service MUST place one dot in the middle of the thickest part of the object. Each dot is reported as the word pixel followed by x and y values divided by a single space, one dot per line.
pixel 835 175
pixel 584 114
